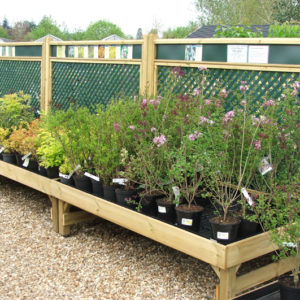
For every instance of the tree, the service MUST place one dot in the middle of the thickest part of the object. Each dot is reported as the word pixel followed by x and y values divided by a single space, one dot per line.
pixel 20 29
pixel 234 12
pixel 139 34
pixel 5 24
pixel 286 10
pixel 180 32
pixel 102 29
pixel 4 33
pixel 46 26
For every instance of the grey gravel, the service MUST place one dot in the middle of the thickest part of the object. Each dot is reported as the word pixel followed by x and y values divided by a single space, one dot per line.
pixel 100 260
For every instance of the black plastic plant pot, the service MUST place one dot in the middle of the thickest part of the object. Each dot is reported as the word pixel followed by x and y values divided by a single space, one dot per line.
pixel 127 198
pixel 67 181
pixel 166 211
pixel 109 193
pixel 33 165
pixel 247 228
pixel 189 218
pixel 149 206
pixel 224 233
pixel 287 290
pixel 83 183
pixel 19 160
pixel 43 171
pixel 9 158
pixel 97 188
pixel 52 172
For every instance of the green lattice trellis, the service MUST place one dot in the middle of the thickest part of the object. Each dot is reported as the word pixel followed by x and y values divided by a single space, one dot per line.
pixel 23 76
pixel 261 84
pixel 87 84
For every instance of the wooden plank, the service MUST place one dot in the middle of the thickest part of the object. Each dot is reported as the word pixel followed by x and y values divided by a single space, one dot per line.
pixel 21 58
pixel 182 240
pixel 247 249
pixel 21 44
pixel 76 217
pixel 259 41
pixel 224 65
pixel 97 43
pixel 97 61
pixel 263 274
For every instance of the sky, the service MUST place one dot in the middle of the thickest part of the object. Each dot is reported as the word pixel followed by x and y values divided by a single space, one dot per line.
pixel 129 15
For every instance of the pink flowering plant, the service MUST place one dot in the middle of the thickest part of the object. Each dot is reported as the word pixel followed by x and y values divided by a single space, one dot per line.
pixel 229 151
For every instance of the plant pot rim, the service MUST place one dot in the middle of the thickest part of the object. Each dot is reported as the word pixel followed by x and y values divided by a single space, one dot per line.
pixel 215 220
pixel 192 208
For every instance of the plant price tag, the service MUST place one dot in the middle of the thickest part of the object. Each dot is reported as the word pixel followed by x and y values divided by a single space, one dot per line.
pixel 65 176
pixel 247 196
pixel 289 244
pixel 264 166
pixel 187 222
pixel 162 209
pixel 26 162
pixel 2 149
pixel 92 176
pixel 76 168
pixel 26 156
pixel 222 235
pixel 176 192
pixel 121 181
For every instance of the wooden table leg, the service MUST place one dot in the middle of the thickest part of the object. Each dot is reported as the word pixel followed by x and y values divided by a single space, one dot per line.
pixel 54 213
pixel 63 208
pixel 227 283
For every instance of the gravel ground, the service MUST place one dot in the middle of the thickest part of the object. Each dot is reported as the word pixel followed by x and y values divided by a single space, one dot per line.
pixel 98 261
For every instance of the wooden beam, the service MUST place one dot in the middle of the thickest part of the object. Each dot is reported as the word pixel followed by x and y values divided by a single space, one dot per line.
pixel 264 274
pixel 258 41
pixel 247 249
pixel 97 61
pixel 76 217
pixel 96 43
pixel 231 66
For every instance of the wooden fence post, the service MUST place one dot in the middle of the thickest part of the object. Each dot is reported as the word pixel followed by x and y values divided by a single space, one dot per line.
pixel 148 85
pixel 46 76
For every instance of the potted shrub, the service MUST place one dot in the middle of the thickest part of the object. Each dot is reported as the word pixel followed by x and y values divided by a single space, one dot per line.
pixel 187 179
pixel 14 110
pixel 7 150
pixel 229 159
pixel 23 140
pixel 71 130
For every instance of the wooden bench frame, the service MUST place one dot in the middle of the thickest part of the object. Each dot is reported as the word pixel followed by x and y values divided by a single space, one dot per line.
pixel 225 260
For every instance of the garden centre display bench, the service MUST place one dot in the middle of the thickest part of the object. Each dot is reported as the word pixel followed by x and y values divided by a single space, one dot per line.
pixel 225 260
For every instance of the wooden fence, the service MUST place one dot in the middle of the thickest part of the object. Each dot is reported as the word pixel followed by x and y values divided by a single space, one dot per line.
pixel 89 72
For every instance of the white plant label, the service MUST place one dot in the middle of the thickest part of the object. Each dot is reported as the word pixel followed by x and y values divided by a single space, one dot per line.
pixel 264 166
pixel 223 235
pixel 162 209
pixel 38 112
pixel 187 222
pixel 121 181
pixel 92 176
pixel 176 192
pixel 26 156
pixel 65 176
pixel 2 149
pixel 26 162
pixel 289 244
pixel 247 196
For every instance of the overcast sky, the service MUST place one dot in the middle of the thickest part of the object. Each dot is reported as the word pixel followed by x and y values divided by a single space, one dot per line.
pixel 129 15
